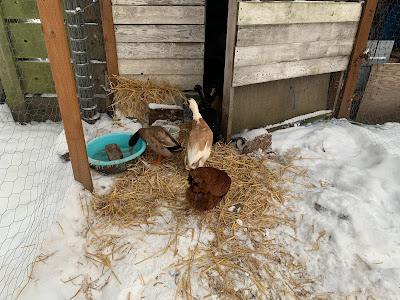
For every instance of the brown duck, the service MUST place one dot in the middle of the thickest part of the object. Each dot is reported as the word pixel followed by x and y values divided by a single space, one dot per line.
pixel 158 139
pixel 207 187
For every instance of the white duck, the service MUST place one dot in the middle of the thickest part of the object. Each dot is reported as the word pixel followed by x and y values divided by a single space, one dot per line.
pixel 200 140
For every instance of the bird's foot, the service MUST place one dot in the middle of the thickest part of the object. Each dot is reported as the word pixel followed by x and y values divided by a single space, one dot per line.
pixel 157 161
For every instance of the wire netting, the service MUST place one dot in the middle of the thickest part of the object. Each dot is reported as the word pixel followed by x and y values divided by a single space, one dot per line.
pixel 376 95
pixel 35 172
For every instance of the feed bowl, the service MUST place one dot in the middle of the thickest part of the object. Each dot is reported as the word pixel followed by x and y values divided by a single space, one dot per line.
pixel 173 130
pixel 98 158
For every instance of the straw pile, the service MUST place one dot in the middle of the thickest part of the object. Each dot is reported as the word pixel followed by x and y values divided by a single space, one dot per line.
pixel 242 261
pixel 132 97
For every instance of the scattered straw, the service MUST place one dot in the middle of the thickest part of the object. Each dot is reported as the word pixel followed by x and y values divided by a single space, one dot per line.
pixel 132 97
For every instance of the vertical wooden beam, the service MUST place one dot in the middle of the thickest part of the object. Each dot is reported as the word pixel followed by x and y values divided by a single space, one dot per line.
pixel 60 62
pixel 109 43
pixel 334 91
pixel 360 43
pixel 227 103
pixel 10 79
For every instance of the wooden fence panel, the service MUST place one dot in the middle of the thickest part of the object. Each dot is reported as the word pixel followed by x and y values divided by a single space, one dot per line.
pixel 158 2
pixel 160 66
pixel 184 82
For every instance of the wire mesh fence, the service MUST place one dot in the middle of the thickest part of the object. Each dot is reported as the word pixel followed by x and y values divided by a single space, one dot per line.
pixel 376 95
pixel 35 172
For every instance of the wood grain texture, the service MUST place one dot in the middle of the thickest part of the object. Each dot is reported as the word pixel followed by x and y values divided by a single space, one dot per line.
pixel 184 82
pixel 161 66
pixel 355 62
pixel 60 62
pixel 334 90
pixel 159 33
pixel 272 102
pixel 257 13
pixel 43 108
pixel 284 70
pixel 229 91
pixel 158 2
pixel 160 50
pixel 294 33
pixel 158 14
pixel 10 79
pixel 262 55
pixel 381 101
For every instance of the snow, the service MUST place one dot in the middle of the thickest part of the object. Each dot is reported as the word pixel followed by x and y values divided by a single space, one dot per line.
pixel 347 212
pixel 164 106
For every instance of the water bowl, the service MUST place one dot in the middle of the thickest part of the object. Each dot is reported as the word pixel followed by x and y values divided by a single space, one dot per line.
pixel 98 157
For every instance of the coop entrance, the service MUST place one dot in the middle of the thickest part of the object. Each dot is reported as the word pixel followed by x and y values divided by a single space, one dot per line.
pixel 215 42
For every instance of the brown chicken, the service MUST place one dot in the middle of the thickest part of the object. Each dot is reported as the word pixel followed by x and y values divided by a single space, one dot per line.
pixel 207 187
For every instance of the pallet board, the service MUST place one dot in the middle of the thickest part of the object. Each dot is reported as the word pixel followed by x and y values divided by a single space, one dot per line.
pixel 184 82
pixel 161 66
pixel 381 102
pixel 158 2
pixel 159 33
pixel 294 33
pixel 124 14
pixel 284 70
pixel 257 13
pixel 160 50
pixel 262 55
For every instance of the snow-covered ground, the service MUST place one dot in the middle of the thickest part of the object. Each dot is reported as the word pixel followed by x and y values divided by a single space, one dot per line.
pixel 347 213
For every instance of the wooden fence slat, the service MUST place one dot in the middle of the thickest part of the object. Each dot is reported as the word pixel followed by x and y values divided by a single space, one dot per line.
pixel 160 50
pixel 28 41
pixel 25 9
pixel 263 55
pixel 123 14
pixel 10 79
pixel 158 2
pixel 294 33
pixel 184 82
pixel 57 48
pixel 360 43
pixel 284 70
pixel 161 66
pixel 257 13
pixel 159 33
pixel 43 108
pixel 37 77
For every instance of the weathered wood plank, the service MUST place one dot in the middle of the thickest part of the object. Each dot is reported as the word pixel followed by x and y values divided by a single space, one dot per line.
pixel 334 90
pixel 160 50
pixel 263 55
pixel 381 102
pixel 227 103
pixel 161 66
pixel 257 13
pixel 158 2
pixel 184 82
pixel 294 33
pixel 37 77
pixel 355 61
pixel 284 70
pixel 10 79
pixel 123 14
pixel 159 33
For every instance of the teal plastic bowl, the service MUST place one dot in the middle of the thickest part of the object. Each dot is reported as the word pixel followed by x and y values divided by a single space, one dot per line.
pixel 98 157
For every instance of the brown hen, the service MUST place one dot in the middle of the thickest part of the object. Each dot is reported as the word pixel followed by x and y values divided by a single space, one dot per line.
pixel 207 187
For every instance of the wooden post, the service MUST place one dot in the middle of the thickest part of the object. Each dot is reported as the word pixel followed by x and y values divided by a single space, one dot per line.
pixel 109 43
pixel 10 79
pixel 60 62
pixel 334 92
pixel 227 103
pixel 360 43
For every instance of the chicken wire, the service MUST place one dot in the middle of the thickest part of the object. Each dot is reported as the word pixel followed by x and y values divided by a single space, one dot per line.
pixel 34 176
pixel 376 95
